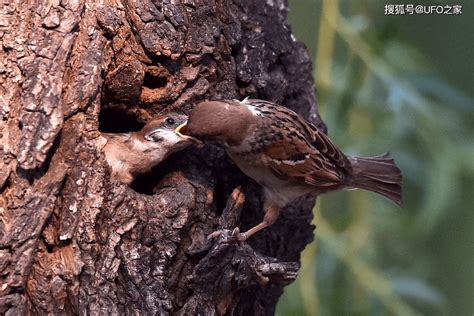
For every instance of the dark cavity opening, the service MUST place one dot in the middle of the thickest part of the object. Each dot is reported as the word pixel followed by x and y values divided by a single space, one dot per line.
pixel 148 183
pixel 154 82
pixel 119 120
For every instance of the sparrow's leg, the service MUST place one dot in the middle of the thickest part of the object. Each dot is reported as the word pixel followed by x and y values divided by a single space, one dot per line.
pixel 231 213
pixel 271 215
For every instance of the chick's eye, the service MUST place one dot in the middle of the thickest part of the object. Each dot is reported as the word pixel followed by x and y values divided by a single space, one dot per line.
pixel 170 121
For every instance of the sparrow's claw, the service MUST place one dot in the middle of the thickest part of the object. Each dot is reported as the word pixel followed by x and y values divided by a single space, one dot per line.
pixel 230 218
pixel 235 235
pixel 214 235
pixel 238 235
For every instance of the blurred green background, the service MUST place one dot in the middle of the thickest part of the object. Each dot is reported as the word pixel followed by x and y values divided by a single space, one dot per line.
pixel 405 84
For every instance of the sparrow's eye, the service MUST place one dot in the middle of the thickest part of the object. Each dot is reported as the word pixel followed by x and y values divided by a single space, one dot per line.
pixel 170 121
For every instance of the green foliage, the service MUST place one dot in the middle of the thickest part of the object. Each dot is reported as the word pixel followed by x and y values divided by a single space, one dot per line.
pixel 380 86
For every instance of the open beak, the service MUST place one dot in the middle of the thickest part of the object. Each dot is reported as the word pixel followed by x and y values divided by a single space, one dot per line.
pixel 181 129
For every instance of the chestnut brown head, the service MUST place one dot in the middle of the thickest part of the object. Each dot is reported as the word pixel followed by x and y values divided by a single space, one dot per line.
pixel 226 121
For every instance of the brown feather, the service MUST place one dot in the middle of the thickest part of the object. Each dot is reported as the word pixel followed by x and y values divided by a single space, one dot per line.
pixel 378 174
pixel 265 137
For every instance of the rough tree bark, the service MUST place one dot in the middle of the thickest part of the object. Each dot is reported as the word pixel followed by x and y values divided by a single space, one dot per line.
pixel 74 242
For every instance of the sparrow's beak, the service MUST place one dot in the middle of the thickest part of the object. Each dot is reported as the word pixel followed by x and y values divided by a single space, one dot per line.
pixel 181 130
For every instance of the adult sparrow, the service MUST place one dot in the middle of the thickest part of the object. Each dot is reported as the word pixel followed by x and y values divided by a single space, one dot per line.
pixel 287 155
pixel 131 154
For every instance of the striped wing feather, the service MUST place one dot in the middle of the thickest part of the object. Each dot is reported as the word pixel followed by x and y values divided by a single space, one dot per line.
pixel 304 151
pixel 295 159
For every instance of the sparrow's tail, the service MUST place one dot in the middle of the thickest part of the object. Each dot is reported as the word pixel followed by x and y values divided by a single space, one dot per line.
pixel 378 174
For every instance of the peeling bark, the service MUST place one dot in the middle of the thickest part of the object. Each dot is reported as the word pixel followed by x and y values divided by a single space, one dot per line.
pixel 72 241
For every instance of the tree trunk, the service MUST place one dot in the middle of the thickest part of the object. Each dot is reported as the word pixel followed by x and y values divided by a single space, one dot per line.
pixel 74 242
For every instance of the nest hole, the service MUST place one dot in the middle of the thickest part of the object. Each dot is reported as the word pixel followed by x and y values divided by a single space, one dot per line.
pixel 119 120
pixel 221 194
pixel 149 182
pixel 154 82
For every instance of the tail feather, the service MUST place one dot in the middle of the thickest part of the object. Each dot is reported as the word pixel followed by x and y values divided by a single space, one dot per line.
pixel 378 174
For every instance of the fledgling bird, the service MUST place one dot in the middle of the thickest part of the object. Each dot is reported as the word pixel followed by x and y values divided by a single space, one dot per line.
pixel 131 154
pixel 287 155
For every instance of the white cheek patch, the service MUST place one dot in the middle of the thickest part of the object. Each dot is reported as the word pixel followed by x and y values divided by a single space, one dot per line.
pixel 169 136
pixel 161 138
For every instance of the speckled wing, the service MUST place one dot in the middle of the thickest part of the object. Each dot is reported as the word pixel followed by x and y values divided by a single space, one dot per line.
pixel 302 151
pixel 324 145
pixel 296 159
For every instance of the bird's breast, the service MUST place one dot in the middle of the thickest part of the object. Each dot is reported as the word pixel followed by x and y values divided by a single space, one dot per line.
pixel 279 191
